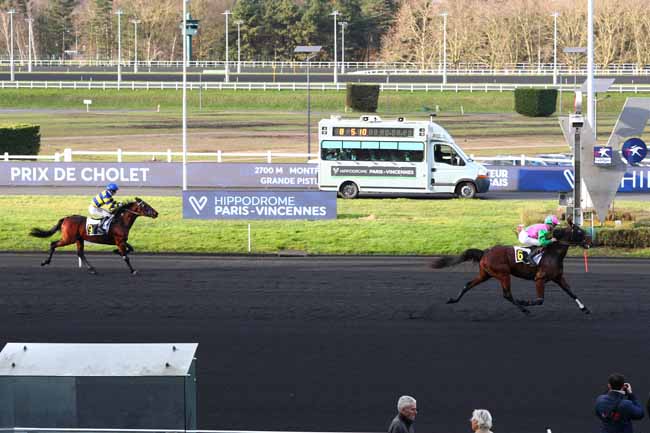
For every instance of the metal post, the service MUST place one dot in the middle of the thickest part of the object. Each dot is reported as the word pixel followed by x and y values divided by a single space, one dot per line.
pixel 135 45
pixel 577 180
pixel 335 14
pixel 30 36
pixel 119 13
pixel 11 13
pixel 239 23
pixel 227 77
pixel 184 128
pixel 590 64
pixel 308 110
pixel 555 15
pixel 343 25
pixel 314 50
pixel 444 44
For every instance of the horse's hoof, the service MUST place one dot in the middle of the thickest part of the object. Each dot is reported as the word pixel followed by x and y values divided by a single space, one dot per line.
pixel 134 272
pixel 92 271
pixel 451 301
pixel 526 311
pixel 45 263
pixel 586 310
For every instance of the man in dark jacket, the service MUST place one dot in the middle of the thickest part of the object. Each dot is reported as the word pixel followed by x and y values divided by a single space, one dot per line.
pixel 406 412
pixel 618 407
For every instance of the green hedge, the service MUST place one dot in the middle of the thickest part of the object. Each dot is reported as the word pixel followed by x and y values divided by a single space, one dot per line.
pixel 623 238
pixel 362 97
pixel 535 102
pixel 20 139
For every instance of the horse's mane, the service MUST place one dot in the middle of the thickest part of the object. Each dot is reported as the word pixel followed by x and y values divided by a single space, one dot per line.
pixel 123 207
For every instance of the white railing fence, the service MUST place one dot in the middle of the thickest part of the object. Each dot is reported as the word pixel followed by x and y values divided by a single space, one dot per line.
pixel 408 87
pixel 394 67
pixel 119 155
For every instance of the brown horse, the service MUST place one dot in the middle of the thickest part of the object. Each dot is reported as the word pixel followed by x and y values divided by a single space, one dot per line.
pixel 499 262
pixel 73 230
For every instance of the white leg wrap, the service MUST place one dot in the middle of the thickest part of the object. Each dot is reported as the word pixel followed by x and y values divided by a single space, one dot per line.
pixel 580 304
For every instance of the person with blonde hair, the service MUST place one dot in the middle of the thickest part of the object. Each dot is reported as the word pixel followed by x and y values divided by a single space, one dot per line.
pixel 481 421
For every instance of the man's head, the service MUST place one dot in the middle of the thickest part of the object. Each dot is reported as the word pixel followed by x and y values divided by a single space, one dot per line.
pixel 112 188
pixel 616 381
pixel 551 220
pixel 407 407
pixel 481 420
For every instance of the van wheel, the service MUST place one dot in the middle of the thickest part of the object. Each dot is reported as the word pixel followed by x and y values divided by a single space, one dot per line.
pixel 466 190
pixel 349 190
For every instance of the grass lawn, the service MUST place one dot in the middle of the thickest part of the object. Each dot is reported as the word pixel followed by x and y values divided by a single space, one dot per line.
pixel 365 226
pixel 273 120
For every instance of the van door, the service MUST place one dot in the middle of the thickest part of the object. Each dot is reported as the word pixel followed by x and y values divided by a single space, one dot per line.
pixel 448 167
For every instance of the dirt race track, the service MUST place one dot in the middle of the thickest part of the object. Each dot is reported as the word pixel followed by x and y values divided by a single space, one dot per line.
pixel 328 344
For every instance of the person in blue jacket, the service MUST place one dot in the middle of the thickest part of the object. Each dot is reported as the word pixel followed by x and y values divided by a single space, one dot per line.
pixel 618 407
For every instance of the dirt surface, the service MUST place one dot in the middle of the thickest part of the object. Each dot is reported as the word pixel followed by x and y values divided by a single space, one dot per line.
pixel 329 344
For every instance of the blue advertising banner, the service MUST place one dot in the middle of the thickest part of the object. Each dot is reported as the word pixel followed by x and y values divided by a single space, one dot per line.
pixel 259 205
pixel 557 179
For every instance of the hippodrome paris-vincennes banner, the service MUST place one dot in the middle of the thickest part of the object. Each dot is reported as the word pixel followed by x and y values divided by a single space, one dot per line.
pixel 265 176
pixel 259 205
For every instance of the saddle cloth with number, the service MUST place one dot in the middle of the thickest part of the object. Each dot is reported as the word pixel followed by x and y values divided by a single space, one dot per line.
pixel 521 253
pixel 93 226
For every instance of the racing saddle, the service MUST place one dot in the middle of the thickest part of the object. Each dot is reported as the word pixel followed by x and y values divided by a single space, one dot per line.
pixel 98 227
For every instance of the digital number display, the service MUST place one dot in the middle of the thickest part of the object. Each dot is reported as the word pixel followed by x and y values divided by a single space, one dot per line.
pixel 371 132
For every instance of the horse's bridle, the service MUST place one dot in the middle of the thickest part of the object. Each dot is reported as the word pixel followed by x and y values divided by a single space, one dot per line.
pixel 139 202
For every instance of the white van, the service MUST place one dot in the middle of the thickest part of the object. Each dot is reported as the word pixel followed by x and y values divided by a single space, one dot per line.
pixel 370 155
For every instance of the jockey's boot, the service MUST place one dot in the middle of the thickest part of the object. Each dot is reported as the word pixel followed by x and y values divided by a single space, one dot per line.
pixel 106 224
pixel 527 258
pixel 534 252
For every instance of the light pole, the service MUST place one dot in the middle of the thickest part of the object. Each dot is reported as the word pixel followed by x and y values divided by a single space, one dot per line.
pixel 336 78
pixel 135 23
pixel 227 14
pixel 343 25
pixel 30 36
pixel 119 13
pixel 184 120
pixel 444 47
pixel 239 23
pixel 555 15
pixel 590 65
pixel 314 50
pixel 11 13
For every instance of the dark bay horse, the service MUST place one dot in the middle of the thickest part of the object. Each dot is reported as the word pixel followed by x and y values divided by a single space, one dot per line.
pixel 73 230
pixel 499 262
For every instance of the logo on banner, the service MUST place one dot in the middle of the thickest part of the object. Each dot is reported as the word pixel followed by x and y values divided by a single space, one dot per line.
pixel 602 155
pixel 634 150
pixel 198 204
pixel 570 177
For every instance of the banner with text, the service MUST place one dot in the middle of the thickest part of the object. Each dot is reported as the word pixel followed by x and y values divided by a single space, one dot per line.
pixel 259 205
pixel 160 174
pixel 266 176
pixel 557 179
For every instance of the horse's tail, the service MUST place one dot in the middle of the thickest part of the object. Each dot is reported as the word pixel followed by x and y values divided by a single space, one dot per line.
pixel 39 233
pixel 467 255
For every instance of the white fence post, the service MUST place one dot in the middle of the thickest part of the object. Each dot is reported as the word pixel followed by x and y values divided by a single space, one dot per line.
pixel 219 156
pixel 119 155
pixel 169 155
pixel 57 157
pixel 67 154
pixel 6 156
pixel 268 156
